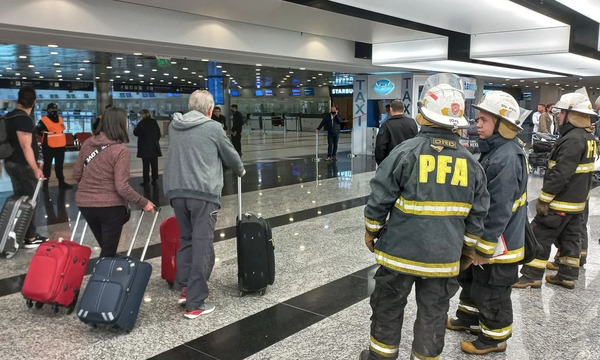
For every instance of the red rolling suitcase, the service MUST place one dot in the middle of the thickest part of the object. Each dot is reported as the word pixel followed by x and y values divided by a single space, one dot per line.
pixel 14 221
pixel 56 272
pixel 169 245
pixel 255 251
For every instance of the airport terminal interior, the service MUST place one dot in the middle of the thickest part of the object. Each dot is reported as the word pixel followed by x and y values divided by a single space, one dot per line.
pixel 284 63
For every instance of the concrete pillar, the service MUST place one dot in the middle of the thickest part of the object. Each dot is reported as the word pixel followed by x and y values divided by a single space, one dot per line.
pixel 103 95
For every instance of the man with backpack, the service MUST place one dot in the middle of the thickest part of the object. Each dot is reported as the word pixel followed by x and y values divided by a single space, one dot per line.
pixel 22 165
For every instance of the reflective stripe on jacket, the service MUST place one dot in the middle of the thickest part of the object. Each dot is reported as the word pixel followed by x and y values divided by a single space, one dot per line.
pixel 434 192
pixel 505 166
pixel 57 139
pixel 569 177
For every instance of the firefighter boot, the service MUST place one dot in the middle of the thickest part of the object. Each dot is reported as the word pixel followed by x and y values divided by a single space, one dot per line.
pixel 462 325
pixel 560 281
pixel 364 355
pixel 478 347
pixel 525 282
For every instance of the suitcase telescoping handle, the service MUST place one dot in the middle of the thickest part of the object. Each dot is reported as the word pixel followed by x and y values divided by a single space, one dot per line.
pixel 240 197
pixel 75 229
pixel 38 187
pixel 137 229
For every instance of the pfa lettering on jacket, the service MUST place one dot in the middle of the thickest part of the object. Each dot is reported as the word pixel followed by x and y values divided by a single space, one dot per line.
pixel 442 168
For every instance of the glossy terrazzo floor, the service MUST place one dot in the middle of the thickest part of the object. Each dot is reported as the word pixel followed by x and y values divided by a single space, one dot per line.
pixel 318 307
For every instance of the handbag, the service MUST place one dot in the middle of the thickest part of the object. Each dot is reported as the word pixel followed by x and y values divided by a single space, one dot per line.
pixel 532 247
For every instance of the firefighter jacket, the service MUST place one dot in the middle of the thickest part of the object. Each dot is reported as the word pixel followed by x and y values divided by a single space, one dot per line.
pixel 434 192
pixel 568 180
pixel 52 132
pixel 506 170
pixel 394 131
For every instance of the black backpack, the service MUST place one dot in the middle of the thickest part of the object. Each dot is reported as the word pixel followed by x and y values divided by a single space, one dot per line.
pixel 6 149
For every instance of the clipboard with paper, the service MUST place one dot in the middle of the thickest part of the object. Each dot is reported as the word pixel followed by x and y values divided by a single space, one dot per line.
pixel 501 248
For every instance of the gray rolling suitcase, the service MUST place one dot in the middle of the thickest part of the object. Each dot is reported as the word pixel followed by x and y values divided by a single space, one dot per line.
pixel 114 294
pixel 15 218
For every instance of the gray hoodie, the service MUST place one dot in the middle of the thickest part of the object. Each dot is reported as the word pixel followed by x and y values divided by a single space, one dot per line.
pixel 197 149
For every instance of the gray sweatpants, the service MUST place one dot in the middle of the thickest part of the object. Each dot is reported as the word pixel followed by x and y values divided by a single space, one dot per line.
pixel 196 255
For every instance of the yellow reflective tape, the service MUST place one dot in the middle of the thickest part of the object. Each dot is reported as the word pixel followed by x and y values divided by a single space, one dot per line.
pixel 520 202
pixel 470 239
pixel 546 197
pixel 486 247
pixel 418 356
pixel 373 225
pixel 434 208
pixel 417 268
pixel 567 206
pixel 581 168
pixel 383 349
pixel 511 256
pixel 496 334
pixel 537 263
pixel 569 261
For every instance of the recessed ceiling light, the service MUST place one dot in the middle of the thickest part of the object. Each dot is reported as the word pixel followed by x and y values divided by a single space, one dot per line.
pixel 175 77
pixel 139 65
pixel 137 53
pixel 41 77
pixel 193 73
pixel 60 79
pixel 109 67
pixel 557 84
pixel 154 70
pixel 141 81
pixel 308 80
pixel 56 64
pixel 302 68
pixel 17 74
pixel 257 69
pixel 22 56
pixel 205 60
pixel 547 83
pixel 184 68
pixel 30 66
pixel 79 74
pixel 24 77
pixel 127 71
pixel 282 81
pixel 81 69
pixel 521 80
pixel 320 74
pixel 152 79
pixel 52 46
pixel 170 83
pixel 166 74
pixel 37 72
pixel 58 71
pixel 111 80
pixel 130 79
pixel 291 72
pixel 195 84
pixel 119 58
pixel 141 75
pixel 223 70
pixel 174 62
pixel 227 75
pixel 161 80
pixel 287 76
pixel 86 61
pixel 77 78
pixel 8 68
pixel 200 76
pixel 219 66
pixel 53 52
pixel 258 64
pixel 118 76
pixel 59 76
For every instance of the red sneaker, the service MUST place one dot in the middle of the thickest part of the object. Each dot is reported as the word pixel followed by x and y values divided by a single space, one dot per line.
pixel 207 308
pixel 182 298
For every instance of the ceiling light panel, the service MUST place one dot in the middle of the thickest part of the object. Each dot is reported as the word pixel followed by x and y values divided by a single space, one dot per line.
pixel 567 63
pixel 409 51
pixel 588 8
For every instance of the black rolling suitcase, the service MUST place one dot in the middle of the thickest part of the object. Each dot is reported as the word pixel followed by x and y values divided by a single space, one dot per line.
pixel 14 221
pixel 255 251
pixel 114 294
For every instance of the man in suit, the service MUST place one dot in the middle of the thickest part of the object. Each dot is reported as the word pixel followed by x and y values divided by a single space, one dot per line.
pixel 332 123
pixel 236 129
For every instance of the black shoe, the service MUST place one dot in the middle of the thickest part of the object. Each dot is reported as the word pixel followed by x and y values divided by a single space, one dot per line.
pixel 64 186
pixel 334 158
pixel 35 243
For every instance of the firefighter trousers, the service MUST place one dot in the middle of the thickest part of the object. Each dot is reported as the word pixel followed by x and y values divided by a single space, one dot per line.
pixel 485 300
pixel 388 301
pixel 565 231
pixel 584 238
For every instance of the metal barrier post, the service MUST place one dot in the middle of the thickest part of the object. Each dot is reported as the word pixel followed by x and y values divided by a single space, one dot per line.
pixel 316 158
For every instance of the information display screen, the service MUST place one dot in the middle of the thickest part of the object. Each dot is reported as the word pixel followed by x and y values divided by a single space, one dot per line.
pixel 259 92
pixel 296 92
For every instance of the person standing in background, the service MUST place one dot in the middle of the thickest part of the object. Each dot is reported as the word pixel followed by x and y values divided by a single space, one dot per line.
pixel 148 133
pixel 394 131
pixel 545 122
pixel 51 127
pixel 535 119
pixel 332 123
pixel 217 116
pixel 236 129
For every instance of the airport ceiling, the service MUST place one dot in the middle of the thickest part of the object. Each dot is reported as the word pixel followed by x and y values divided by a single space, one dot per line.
pixel 372 21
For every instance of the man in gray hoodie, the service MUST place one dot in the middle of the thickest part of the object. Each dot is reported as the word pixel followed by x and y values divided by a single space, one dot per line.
pixel 193 180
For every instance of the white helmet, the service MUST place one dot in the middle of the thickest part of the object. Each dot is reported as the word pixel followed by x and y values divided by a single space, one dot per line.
pixel 442 101
pixel 575 102
pixel 502 105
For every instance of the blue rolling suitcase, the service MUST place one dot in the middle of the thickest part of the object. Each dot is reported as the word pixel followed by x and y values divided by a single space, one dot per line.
pixel 114 294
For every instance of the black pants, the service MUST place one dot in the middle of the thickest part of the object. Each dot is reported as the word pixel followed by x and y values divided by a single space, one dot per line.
pixel 388 301
pixel 332 144
pixel 565 231
pixel 106 224
pixel 148 162
pixel 23 182
pixel 237 142
pixel 485 300
pixel 58 155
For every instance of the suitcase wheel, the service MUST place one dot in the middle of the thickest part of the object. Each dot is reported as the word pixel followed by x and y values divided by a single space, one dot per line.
pixel 55 308
pixel 38 305
pixel 170 284
pixel 71 306
pixel 29 303
pixel 242 293
pixel 262 292
pixel 94 326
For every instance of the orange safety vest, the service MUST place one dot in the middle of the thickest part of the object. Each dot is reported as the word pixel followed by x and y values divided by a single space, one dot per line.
pixel 57 139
